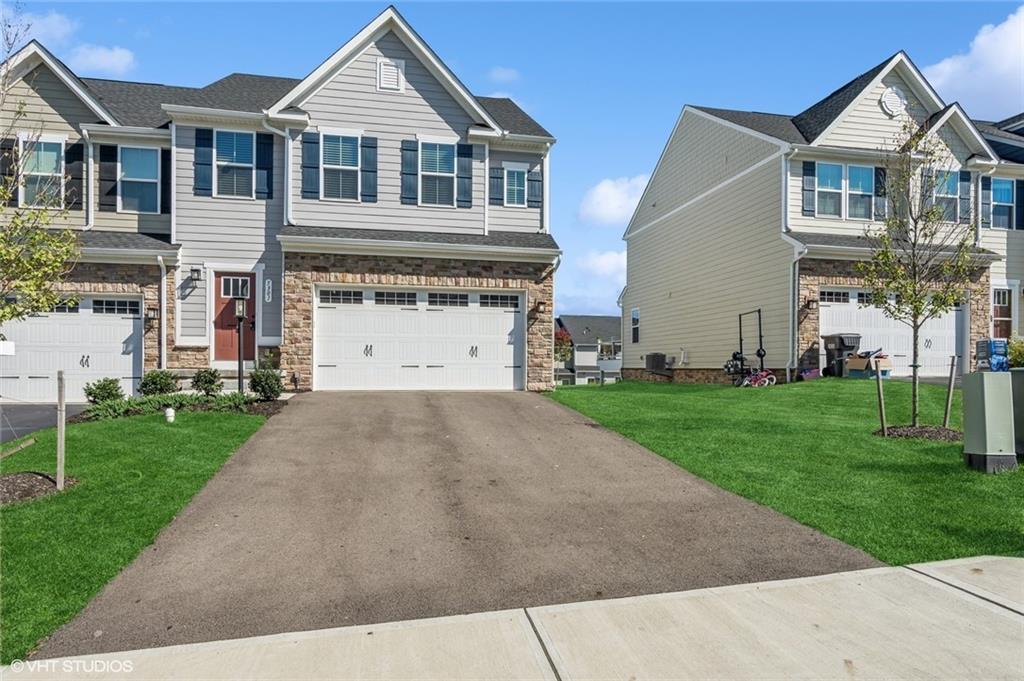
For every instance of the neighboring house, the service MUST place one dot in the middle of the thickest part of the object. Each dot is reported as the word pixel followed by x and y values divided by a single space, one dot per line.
pixel 388 229
pixel 596 348
pixel 749 210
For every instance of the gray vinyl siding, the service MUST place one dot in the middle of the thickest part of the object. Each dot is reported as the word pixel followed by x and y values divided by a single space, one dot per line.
pixel 511 218
pixel 351 101
pixel 131 222
pixel 226 230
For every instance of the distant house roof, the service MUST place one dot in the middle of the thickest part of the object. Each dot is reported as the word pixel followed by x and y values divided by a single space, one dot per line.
pixel 590 328
pixel 1009 145
pixel 511 117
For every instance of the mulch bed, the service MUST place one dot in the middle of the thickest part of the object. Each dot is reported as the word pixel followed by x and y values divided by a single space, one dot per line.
pixel 267 409
pixel 937 433
pixel 16 487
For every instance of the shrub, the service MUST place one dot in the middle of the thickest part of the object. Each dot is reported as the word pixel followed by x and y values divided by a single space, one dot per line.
pixel 158 382
pixel 1017 353
pixel 207 382
pixel 266 383
pixel 103 390
pixel 154 404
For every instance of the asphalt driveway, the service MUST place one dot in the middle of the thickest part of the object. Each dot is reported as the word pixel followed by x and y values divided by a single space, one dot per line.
pixel 358 508
pixel 17 420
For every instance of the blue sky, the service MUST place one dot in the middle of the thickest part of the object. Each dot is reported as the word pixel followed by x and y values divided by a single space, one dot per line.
pixel 607 79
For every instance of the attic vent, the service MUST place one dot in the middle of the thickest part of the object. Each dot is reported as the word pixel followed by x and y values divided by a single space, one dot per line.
pixel 893 101
pixel 391 74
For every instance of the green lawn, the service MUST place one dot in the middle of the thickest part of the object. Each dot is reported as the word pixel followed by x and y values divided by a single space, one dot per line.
pixel 134 475
pixel 807 450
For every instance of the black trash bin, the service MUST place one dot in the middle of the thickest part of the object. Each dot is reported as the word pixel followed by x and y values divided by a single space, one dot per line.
pixel 839 346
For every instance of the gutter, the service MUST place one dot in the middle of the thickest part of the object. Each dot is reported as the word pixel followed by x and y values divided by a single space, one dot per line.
pixel 163 311
pixel 127 131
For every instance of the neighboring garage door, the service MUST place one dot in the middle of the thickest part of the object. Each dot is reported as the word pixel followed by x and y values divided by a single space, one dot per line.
pixel 407 339
pixel 940 337
pixel 98 338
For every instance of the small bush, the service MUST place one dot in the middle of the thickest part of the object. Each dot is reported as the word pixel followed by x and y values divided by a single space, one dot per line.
pixel 154 404
pixel 158 382
pixel 103 390
pixel 207 382
pixel 1017 353
pixel 266 383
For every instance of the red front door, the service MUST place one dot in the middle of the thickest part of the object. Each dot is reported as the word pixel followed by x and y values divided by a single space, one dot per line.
pixel 225 323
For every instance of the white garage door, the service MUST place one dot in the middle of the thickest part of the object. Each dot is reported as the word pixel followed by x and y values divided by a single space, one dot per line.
pixel 391 339
pixel 98 338
pixel 940 337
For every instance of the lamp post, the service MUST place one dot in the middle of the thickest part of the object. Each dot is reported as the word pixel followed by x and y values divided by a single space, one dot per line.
pixel 240 316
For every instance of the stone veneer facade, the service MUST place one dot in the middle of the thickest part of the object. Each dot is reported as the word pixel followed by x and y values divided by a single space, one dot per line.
pixel 303 271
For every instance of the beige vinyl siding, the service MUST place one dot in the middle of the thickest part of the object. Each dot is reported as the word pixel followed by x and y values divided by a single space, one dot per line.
pixel 226 230
pixel 1010 244
pixel 351 101
pixel 513 218
pixel 867 126
pixel 696 161
pixel 131 222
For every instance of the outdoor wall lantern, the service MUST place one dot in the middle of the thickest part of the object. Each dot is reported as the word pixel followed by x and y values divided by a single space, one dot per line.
pixel 195 274
pixel 151 314
pixel 812 303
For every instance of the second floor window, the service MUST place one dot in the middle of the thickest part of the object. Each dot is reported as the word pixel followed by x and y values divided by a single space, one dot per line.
pixel 341 167
pixel 139 180
pixel 515 187
pixel 947 193
pixel 44 174
pixel 1002 203
pixel 861 193
pixel 830 190
pixel 235 168
pixel 437 174
pixel 634 324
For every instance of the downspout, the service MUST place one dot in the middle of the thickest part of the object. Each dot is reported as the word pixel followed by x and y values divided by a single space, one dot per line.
pixel 286 135
pixel 174 183
pixel 798 253
pixel 163 311
pixel 89 190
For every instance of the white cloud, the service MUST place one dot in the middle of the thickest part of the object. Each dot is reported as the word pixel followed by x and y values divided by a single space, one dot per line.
pixel 608 265
pixel 989 79
pixel 503 74
pixel 52 28
pixel 97 59
pixel 612 201
pixel 501 94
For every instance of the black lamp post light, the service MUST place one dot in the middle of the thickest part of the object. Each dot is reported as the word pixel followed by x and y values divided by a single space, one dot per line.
pixel 240 304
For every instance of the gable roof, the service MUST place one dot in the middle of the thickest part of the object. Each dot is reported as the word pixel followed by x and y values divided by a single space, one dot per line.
pixel 815 119
pixel 779 126
pixel 590 328
pixel 512 118
pixel 1011 122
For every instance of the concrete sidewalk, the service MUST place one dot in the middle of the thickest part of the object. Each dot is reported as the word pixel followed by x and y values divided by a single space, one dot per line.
pixel 954 619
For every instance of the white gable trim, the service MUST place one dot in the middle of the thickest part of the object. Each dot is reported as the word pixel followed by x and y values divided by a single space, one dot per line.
pixel 974 134
pixel 919 83
pixel 27 57
pixel 388 20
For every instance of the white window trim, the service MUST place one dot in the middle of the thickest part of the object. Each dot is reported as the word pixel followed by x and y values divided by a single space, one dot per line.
pixel 420 174
pixel 217 164
pixel 850 192
pixel 841 191
pixel 936 194
pixel 358 166
pixel 400 63
pixel 120 178
pixel 513 166
pixel 24 137
pixel 225 278
pixel 634 323
pixel 1012 204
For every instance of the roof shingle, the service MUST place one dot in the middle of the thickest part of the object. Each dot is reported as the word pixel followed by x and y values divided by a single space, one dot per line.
pixel 494 238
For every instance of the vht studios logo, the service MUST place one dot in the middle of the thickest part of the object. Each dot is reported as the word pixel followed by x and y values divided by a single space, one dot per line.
pixel 73 666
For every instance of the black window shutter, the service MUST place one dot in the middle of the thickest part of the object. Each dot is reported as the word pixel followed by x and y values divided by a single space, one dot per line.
pixel 497 187
pixel 8 149
pixel 881 191
pixel 464 176
pixel 74 164
pixel 202 163
pixel 108 178
pixel 410 171
pixel 534 190
pixel 311 165
pixel 986 201
pixel 965 197
pixel 264 165
pixel 165 181
pixel 368 169
pixel 809 186
pixel 928 186
pixel 1018 209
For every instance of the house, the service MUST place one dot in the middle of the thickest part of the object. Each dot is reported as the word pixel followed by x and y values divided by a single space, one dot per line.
pixel 596 348
pixel 387 228
pixel 750 211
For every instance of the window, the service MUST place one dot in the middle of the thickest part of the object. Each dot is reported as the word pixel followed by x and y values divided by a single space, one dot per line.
pixel 1002 315
pixel 499 300
pixel 234 287
pixel 830 189
pixel 1002 203
pixel 236 172
pixel 437 174
pixel 115 306
pixel 833 296
pixel 43 174
pixel 947 193
pixel 861 193
pixel 340 167
pixel 337 297
pixel 391 74
pixel 138 183
pixel 515 187
pixel 394 298
pixel 448 299
pixel 634 324
pixel 66 307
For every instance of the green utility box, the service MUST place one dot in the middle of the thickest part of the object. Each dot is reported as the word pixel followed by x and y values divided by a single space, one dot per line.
pixel 1017 380
pixel 988 422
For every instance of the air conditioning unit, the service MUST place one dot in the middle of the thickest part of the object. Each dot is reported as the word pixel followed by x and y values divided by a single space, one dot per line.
pixel 655 363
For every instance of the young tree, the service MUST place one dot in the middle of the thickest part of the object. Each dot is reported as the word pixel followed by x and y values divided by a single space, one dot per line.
pixel 34 259
pixel 921 264
pixel 563 345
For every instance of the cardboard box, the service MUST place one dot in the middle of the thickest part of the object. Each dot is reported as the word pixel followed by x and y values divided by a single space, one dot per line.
pixel 858 364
